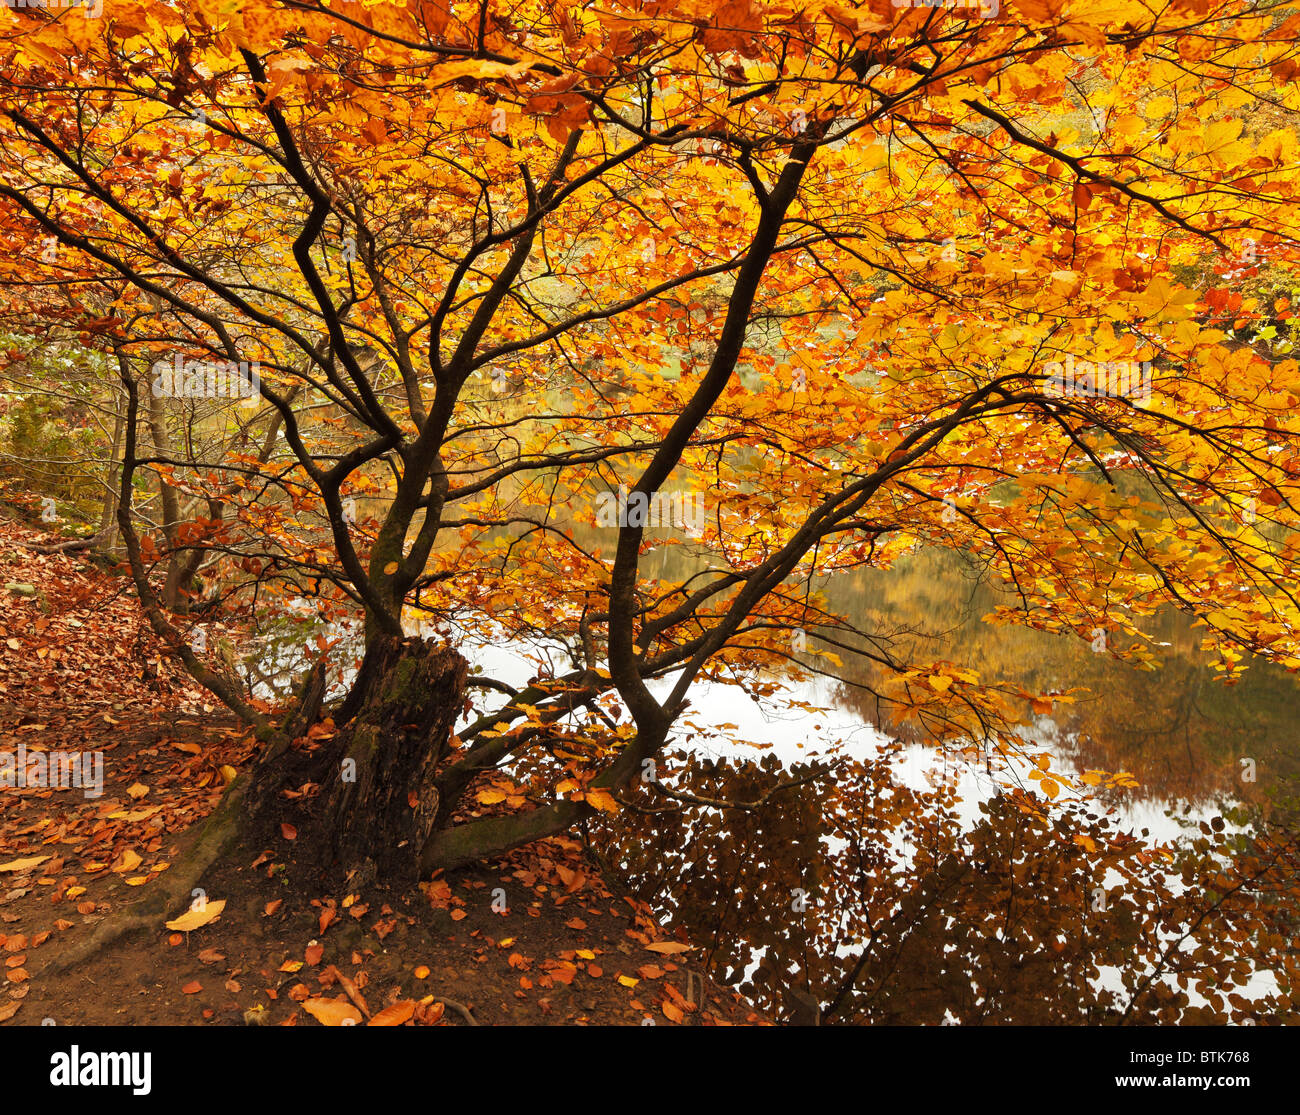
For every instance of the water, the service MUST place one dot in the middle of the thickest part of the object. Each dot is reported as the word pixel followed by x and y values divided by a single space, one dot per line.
pixel 1182 735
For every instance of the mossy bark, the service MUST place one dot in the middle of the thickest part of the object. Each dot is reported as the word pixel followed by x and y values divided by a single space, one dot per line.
pixel 380 798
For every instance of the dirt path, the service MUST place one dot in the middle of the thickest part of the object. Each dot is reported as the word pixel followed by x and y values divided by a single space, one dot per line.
pixel 538 937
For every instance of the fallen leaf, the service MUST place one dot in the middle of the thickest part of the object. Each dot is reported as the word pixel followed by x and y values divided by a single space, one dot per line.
pixel 332 1012
pixel 23 864
pixel 129 862
pixel 195 919
pixel 396 1015
pixel 192 988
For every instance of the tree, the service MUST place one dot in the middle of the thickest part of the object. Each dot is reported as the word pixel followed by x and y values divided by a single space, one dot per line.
pixel 855 276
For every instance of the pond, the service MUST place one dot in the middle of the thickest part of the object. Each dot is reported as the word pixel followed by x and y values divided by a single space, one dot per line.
pixel 762 891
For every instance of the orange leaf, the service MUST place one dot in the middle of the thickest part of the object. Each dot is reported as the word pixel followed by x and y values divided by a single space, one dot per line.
pixel 669 948
pixel 397 1015
pixel 333 1012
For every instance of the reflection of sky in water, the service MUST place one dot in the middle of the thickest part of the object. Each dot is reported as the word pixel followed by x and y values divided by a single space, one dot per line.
pixel 797 735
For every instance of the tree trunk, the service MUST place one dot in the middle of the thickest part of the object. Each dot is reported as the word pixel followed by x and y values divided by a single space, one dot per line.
pixel 380 800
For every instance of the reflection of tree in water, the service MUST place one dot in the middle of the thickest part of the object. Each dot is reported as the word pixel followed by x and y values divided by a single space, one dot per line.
pixel 866 897
pixel 1177 729
pixel 862 895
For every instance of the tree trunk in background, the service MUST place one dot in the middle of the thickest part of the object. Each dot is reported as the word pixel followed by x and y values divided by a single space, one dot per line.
pixel 107 532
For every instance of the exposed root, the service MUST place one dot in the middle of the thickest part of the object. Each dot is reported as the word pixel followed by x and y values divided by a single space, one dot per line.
pixel 173 892
pixel 459 1008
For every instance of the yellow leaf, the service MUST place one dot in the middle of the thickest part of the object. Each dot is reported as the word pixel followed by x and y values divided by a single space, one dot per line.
pixel 196 919
pixel 129 862
pixel 601 799
pixel 490 797
pixel 23 864
pixel 940 683
pixel 390 568
pixel 137 790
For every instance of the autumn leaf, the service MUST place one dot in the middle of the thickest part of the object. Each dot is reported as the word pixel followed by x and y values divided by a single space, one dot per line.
pixel 197 918
pixel 668 948
pixel 23 864
pixel 397 1014
pixel 333 1012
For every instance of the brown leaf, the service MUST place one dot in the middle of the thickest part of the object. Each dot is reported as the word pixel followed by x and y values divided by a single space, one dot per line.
pixel 192 988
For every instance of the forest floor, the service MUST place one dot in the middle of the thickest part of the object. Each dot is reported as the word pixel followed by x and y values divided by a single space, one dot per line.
pixel 536 937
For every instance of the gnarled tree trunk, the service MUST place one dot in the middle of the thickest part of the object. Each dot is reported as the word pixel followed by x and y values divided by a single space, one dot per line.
pixel 379 798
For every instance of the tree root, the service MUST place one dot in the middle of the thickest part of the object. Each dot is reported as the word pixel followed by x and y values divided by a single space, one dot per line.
pixel 459 1008
pixel 174 891
pixel 70 546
